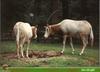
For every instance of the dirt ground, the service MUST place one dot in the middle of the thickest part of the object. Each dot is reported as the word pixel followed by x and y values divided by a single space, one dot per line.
pixel 43 57
pixel 32 54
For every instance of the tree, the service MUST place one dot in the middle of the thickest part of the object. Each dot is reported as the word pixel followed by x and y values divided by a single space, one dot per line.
pixel 65 8
pixel 84 10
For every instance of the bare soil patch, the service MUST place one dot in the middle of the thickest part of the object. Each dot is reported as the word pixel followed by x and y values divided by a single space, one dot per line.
pixel 32 54
pixel 43 54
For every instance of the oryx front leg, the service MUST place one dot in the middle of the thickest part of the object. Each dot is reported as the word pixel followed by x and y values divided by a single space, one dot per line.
pixel 64 43
pixel 27 49
pixel 71 43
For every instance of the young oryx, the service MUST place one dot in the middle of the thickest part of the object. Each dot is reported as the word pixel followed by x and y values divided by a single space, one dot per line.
pixel 72 28
pixel 23 32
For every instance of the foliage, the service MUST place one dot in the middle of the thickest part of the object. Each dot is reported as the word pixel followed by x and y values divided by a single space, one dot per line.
pixel 20 10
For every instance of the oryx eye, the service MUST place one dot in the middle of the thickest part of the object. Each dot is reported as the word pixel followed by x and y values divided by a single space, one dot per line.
pixel 47 29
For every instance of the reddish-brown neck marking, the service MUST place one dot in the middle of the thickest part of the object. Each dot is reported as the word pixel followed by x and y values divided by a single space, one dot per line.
pixel 55 28
pixel 33 31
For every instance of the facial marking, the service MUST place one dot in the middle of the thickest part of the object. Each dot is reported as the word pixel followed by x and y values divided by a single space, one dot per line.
pixel 46 32
pixel 35 32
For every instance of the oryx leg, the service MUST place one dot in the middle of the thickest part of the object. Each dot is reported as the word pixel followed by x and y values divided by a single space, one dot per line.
pixel 64 43
pixel 21 46
pixel 85 42
pixel 28 43
pixel 17 46
pixel 71 43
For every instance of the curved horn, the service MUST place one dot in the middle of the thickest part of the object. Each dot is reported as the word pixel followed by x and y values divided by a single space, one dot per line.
pixel 52 14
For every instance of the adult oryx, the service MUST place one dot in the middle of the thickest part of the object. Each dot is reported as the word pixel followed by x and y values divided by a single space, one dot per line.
pixel 23 32
pixel 71 28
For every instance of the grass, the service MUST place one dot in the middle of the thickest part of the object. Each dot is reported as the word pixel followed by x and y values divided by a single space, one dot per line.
pixel 89 58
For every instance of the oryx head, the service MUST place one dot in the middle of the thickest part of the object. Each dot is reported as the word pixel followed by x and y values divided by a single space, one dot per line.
pixel 34 31
pixel 48 31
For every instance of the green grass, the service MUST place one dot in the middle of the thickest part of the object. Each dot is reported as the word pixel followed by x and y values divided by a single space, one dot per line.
pixel 89 58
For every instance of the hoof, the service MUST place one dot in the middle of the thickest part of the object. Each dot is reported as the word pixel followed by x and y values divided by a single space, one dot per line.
pixel 62 52
pixel 27 57
pixel 18 57
pixel 80 54
pixel 73 52
pixel 23 56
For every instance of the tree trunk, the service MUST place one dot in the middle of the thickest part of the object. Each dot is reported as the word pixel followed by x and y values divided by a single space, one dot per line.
pixel 84 9
pixel 65 8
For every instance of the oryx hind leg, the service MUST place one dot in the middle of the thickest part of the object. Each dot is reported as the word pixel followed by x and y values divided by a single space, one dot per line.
pixel 18 48
pixel 71 43
pixel 21 46
pixel 85 42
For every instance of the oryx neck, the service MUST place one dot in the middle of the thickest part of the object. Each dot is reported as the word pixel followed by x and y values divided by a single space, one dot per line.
pixel 55 27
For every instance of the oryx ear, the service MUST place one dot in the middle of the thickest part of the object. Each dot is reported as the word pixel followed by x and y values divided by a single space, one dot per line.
pixel 44 26
pixel 47 24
